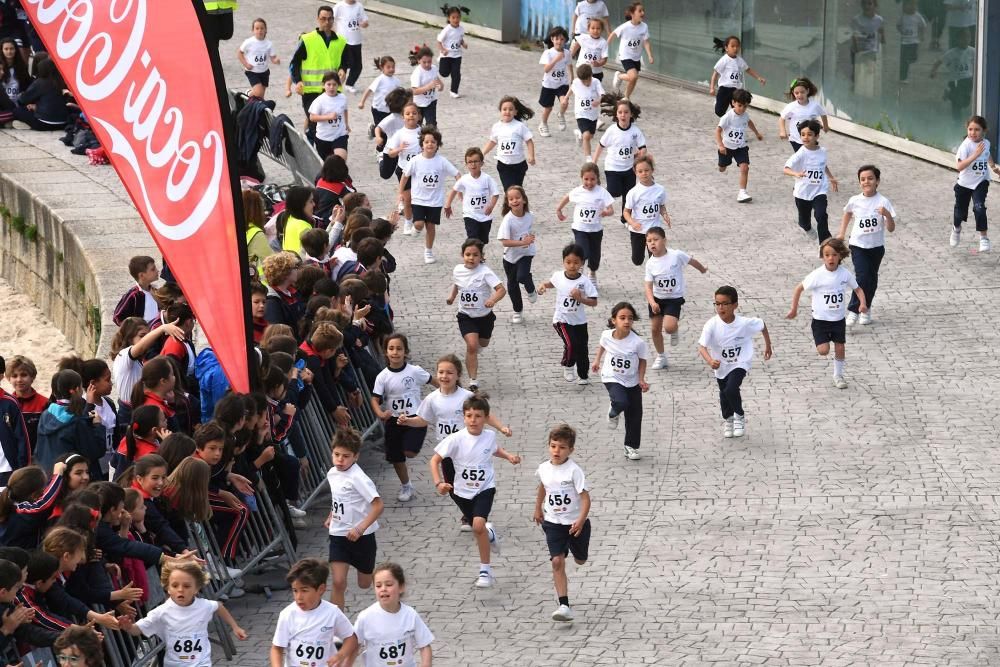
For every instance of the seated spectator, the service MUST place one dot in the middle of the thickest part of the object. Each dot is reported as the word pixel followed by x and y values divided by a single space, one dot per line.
pixel 43 105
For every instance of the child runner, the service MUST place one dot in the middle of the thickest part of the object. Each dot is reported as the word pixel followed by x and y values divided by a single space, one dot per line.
pixel 621 358
pixel 974 161
pixel 480 194
pixel 634 37
pixel 254 53
pixel 731 139
pixel 384 83
pixel 472 450
pixel 911 26
pixel 403 146
pixel 561 508
pixel 645 205
pixel 478 290
pixel 587 11
pixel 802 107
pixel 573 292
pixel 828 284
pixel 425 83
pixel 591 202
pixel 624 142
pixel 304 635
pixel 181 622
pixel 590 47
pixel 391 632
pixel 513 141
pixel 665 290
pixel 350 17
pixel 558 73
pixel 425 175
pixel 395 100
pixel 728 73
pixel 813 179
pixel 397 392
pixel 451 41
pixel 587 92
pixel 353 519
pixel 726 345
pixel 873 216
pixel 519 249
pixel 329 112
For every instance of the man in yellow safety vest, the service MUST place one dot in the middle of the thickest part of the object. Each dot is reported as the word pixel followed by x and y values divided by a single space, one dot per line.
pixel 318 52
pixel 220 21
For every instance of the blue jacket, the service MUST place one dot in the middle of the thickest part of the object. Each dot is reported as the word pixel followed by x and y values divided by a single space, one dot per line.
pixel 25 525
pixel 13 432
pixel 60 431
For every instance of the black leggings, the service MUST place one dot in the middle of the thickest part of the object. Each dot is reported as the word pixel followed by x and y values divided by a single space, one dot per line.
pixel 639 250
pixel 451 67
pixel 816 207
pixel 591 244
pixel 518 273
pixel 629 401
pixel 575 341
pixel 723 100
pixel 350 61
pixel 619 184
pixel 730 398
pixel 511 174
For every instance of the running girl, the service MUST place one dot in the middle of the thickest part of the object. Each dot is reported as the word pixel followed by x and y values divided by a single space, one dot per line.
pixel 427 173
pixel 403 146
pixel 329 112
pixel 802 107
pixel 557 66
pixel 573 292
pixel 390 630
pixel 634 37
pixel 255 53
pixel 451 41
pixel 384 83
pixel 624 142
pixel 513 141
pixel 587 92
pixel 590 202
pixel 973 161
pixel 590 48
pixel 645 207
pixel 813 179
pixel 728 73
pixel 425 83
pixel 518 241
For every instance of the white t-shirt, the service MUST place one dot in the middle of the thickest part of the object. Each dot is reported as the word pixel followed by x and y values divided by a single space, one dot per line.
pixel 391 640
pixel 563 486
pixel 868 226
pixel 380 87
pixel 125 373
pixel 958 63
pixel 389 126
pixel 475 287
pixel 829 288
pixel 476 195
pixel 399 388
pixel 307 636
pixel 258 53
pixel 631 38
pixel 150 309
pixel 646 202
pixel 813 163
pixel 587 99
pixel 866 33
pixel 794 113
pixel 184 631
pixel 348 18
pixel 731 344
pixel 568 309
pixel 910 26
pixel 558 76
pixel 514 228
pixel 451 38
pixel 667 274
pixel 961 13
pixel 587 207
pixel 734 129
pixel 586 11
pixel 978 171
pixel 351 496
pixel 419 78
pixel 731 71
pixel 591 51
pixel 473 459
pixel 510 139
pixel 325 104
pixel 622 147
pixel 404 135
pixel 621 358
pixel 427 175
pixel 444 411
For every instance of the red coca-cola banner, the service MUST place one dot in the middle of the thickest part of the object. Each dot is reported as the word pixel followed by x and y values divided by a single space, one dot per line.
pixel 141 72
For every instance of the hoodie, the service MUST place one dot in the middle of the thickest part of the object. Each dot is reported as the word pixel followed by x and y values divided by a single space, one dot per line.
pixel 60 431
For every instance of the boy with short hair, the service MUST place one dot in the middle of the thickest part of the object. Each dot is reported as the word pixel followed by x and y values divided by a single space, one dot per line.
pixel 320 353
pixel 316 250
pixel 472 450
pixel 304 634
pixel 562 506
pixel 730 137
pixel 21 374
pixel 258 298
pixel 138 301
pixel 14 452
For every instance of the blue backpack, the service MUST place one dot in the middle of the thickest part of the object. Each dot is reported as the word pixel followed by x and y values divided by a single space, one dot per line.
pixel 212 382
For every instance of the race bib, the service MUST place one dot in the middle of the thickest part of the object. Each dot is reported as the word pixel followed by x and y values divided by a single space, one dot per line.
pixel 623 365
pixel 665 285
pixel 393 653
pixel 402 405
pixel 430 181
pixel 568 305
pixel 814 176
pixel 868 224
pixel 586 215
pixel 191 649
pixel 445 428
pixel 730 355
pixel 508 147
pixel 559 503
pixel 469 300
pixel 478 203
pixel 471 479
pixel 337 511
pixel 833 301
pixel 308 654
pixel 735 136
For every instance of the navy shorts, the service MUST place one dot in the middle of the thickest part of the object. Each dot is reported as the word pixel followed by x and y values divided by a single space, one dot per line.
pixel 477 325
pixel 631 64
pixel 360 555
pixel 671 307
pixel 619 183
pixel 737 155
pixel 561 542
pixel 548 96
pixel 825 331
pixel 431 215
pixel 479 505
pixel 263 78
pixel 402 439
pixel 586 125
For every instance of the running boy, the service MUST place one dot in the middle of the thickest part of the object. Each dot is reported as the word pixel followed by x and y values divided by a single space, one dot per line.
pixel 561 507
pixel 665 290
pixel 731 138
pixel 472 450
pixel 587 91
pixel 480 194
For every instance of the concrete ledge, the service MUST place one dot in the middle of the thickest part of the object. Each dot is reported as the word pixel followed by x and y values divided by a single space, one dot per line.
pixel 438 20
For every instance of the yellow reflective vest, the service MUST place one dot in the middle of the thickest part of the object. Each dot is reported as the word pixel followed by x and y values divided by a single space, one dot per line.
pixel 220 6
pixel 320 59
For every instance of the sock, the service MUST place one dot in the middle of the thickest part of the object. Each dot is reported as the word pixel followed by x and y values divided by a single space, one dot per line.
pixel 838 367
pixel 472 381
pixel 407 485
pixel 408 221
pixel 564 599
pixel 485 567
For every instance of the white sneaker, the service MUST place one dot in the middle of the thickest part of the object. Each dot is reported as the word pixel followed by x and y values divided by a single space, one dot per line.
pixel 485 580
pixel 583 381
pixel 675 338
pixel 454 96
pixel 429 257
pixel 563 614
pixel 236 592
pixel 300 523
pixel 593 278
pixel 405 493
pixel 543 130
pixel 473 385
pixel 601 123
pixel 660 362
pixel 579 142
pixel 569 373
pixel 727 428
pixel 517 318
pixel 532 297
pixel 562 121
pixel 632 454
pixel 495 538
pixel 351 89
pixel 739 426
pixel 956 237
pixel 839 382
pixel 613 421
pixel 852 318
pixel 616 83
pixel 984 244
pixel 743 197
pixel 296 512
pixel 465 527
pixel 407 228
pixel 865 318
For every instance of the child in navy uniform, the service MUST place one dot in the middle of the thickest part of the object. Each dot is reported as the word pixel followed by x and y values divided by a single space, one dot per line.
pixel 15 450
pixel 138 301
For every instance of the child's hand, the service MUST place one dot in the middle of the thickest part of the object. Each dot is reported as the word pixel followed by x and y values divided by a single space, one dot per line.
pixel 16 617
pixel 711 90
pixel 125 610
pixel 529 239
pixel 306 375
pixel 162 433
pixel 447 212
pixel 654 307
pixel 862 308
pixel 714 364
pixel 514 459
pixel 577 526
pixel 444 488
pixel 506 431
pixel 703 269
pixel 833 184
pixel 722 150
pixel 362 313
pixel 240 633
pixel 342 416
pixel 450 300
pixel 792 313
pixel 342 361
pixel 560 215
pixel 767 353
pixel 267 454
pixel 883 211
pixel 595 367
pixel 241 483
pixel 644 386
pixel 576 294
pixel 538 517
pixel 129 592
pixel 329 519
pixel 782 135
pixel 361 105
pixel 59 468
pixel 107 620
pixel 354 534
pixel 760 137
pixel 980 148
pixel 540 290
pixel 289 409
pixel 230 499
